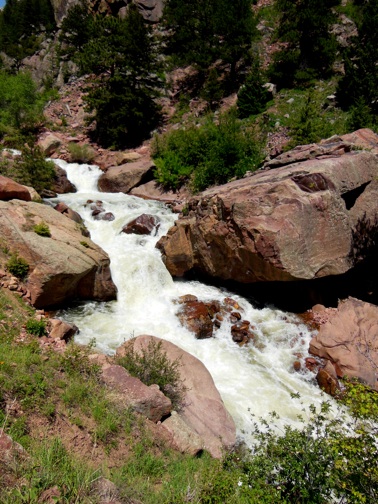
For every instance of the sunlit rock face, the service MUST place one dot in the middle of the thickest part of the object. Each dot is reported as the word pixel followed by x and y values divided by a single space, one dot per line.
pixel 151 10
pixel 63 266
pixel 307 218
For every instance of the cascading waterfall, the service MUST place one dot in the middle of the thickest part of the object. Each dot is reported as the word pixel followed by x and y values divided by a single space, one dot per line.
pixel 258 378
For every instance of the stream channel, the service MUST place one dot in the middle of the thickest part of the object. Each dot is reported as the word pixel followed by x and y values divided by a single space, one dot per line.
pixel 254 379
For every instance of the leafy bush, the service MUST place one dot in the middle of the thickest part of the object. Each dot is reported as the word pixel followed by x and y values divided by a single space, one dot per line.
pixel 81 153
pixel 152 366
pixel 32 169
pixel 21 105
pixel 17 266
pixel 42 229
pixel 210 154
pixel 36 327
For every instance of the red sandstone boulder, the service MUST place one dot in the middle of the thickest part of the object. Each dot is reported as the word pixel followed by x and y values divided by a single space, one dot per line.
pixel 9 189
pixel 149 401
pixel 68 212
pixel 349 340
pixel 305 219
pixel 203 410
pixel 61 184
pixel 61 267
pixel 62 330
pixel 125 177
pixel 197 316
pixel 143 225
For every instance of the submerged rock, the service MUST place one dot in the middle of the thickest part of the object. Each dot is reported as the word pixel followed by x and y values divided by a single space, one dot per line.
pixel 145 224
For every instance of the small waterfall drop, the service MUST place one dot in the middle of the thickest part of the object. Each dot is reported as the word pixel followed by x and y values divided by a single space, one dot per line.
pixel 254 379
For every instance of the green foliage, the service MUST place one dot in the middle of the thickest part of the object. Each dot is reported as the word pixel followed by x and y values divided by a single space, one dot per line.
pixel 201 32
pixel 42 229
pixel 357 89
pixel 22 25
pixel 76 30
pixel 152 366
pixel 36 327
pixel 17 266
pixel 20 104
pixel 81 153
pixel 121 53
pixel 212 90
pixel 252 97
pixel 210 154
pixel 31 169
pixel 54 466
pixel 310 46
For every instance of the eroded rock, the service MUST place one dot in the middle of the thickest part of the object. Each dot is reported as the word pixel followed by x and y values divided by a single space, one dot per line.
pixel 125 177
pixel 203 409
pixel 9 190
pixel 349 340
pixel 306 219
pixel 61 268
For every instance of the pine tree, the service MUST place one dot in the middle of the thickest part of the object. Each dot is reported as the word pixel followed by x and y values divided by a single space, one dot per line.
pixel 310 49
pixel 21 21
pixel 252 96
pixel 121 53
pixel 358 89
pixel 200 32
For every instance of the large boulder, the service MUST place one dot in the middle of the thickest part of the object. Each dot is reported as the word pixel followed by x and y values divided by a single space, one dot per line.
pixel 349 340
pixel 125 177
pixel 63 266
pixel 9 189
pixel 144 224
pixel 203 410
pixel 305 219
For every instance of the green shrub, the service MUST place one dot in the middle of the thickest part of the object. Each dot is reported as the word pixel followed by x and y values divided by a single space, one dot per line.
pixel 152 366
pixel 17 266
pixel 31 167
pixel 36 327
pixel 207 155
pixel 81 153
pixel 42 229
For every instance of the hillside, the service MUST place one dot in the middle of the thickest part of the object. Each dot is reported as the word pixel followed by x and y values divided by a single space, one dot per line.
pixel 256 121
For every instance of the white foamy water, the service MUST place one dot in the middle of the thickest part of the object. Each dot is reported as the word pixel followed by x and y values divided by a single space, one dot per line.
pixel 258 378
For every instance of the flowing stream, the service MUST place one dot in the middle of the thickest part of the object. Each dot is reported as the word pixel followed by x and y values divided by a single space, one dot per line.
pixel 255 379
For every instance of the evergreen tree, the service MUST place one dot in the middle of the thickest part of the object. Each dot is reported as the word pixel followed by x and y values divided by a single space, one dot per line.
pixel 358 89
pixel 252 96
pixel 121 53
pixel 21 21
pixel 203 31
pixel 310 48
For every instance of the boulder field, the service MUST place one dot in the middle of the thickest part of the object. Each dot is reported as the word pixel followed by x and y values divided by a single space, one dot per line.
pixel 306 215
pixel 64 266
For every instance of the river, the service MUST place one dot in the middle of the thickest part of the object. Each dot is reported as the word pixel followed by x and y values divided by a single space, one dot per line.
pixel 255 379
